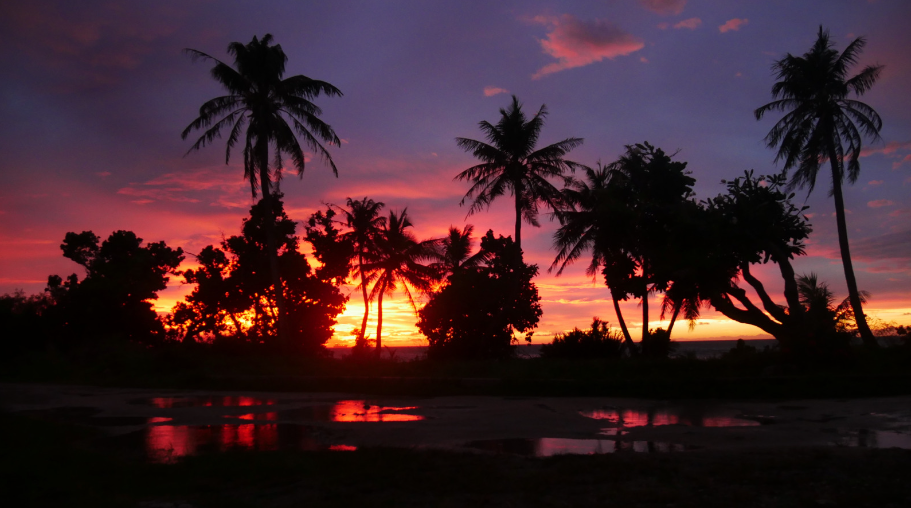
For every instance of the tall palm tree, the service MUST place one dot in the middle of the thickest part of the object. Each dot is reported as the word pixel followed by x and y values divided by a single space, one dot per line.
pixel 822 123
pixel 363 219
pixel 274 110
pixel 510 162
pixel 398 263
pixel 454 252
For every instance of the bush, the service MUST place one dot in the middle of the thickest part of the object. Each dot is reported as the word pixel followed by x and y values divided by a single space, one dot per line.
pixel 657 344
pixel 600 341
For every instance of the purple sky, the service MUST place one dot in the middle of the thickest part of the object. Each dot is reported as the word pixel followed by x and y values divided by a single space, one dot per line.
pixel 95 94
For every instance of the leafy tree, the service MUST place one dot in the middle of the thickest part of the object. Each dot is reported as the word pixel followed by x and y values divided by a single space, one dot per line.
pixel 753 223
pixel 822 123
pixel 478 310
pixel 510 162
pixel 234 299
pixel 397 263
pixel 24 322
pixel 598 342
pixel 274 110
pixel 122 277
pixel 364 222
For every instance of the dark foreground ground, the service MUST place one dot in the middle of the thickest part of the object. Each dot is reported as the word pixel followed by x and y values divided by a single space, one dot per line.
pixel 46 463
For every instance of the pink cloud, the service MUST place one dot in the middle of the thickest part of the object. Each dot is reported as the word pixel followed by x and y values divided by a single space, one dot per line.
pixel 879 203
pixel 887 149
pixel 875 182
pixel 664 7
pixel 900 212
pixel 490 91
pixel 732 24
pixel 577 43
pixel 692 24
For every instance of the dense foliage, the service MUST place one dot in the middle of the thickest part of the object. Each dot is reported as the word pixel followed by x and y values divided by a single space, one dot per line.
pixel 235 301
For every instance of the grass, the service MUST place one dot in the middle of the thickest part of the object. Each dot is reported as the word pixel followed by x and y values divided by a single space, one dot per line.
pixel 50 464
pixel 865 373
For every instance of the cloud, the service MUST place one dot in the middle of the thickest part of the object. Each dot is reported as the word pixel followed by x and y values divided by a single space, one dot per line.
pixel 664 7
pixel 889 246
pixel 887 149
pixel 879 203
pixel 692 24
pixel 732 24
pixel 900 212
pixel 191 186
pixel 875 182
pixel 577 43
pixel 490 91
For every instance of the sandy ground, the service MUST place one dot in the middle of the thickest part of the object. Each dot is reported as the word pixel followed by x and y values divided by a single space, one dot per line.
pixel 453 422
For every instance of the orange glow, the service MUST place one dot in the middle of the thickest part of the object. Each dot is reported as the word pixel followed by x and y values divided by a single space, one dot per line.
pixel 361 411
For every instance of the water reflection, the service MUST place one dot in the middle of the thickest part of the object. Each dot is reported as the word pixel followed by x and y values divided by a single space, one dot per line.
pixel 212 401
pixel 168 443
pixel 351 411
pixel 628 418
pixel 549 446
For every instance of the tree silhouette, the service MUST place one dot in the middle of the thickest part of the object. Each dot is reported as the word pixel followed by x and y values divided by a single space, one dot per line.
pixel 274 110
pixel 822 123
pixel 397 263
pixel 455 252
pixel 234 299
pixel 754 222
pixel 122 277
pixel 624 214
pixel 479 309
pixel 510 162
pixel 364 222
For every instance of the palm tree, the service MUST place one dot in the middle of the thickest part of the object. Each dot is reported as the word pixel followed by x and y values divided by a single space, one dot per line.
pixel 509 162
pixel 274 111
pixel 455 252
pixel 586 223
pixel 822 123
pixel 397 263
pixel 363 219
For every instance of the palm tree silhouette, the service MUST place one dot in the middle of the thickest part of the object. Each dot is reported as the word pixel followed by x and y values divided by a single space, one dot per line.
pixel 822 123
pixel 364 221
pixel 510 162
pixel 397 263
pixel 274 111
pixel 586 225
pixel 454 252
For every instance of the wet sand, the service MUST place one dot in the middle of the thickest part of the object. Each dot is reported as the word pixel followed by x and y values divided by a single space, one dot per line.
pixel 461 423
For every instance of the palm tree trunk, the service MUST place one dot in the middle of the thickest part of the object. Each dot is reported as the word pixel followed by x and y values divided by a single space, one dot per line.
pixel 360 260
pixel 673 318
pixel 518 219
pixel 379 320
pixel 645 313
pixel 865 334
pixel 627 338
pixel 264 180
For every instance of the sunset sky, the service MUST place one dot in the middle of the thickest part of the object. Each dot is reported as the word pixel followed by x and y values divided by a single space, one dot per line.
pixel 95 95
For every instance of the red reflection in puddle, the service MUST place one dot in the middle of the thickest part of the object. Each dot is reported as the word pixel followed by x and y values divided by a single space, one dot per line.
pixel 159 419
pixel 362 411
pixel 628 418
pixel 226 401
pixel 343 448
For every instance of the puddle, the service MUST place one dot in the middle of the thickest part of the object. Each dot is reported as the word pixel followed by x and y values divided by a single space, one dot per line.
pixel 350 411
pixel 865 438
pixel 550 446
pixel 165 444
pixel 209 401
pixel 629 418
